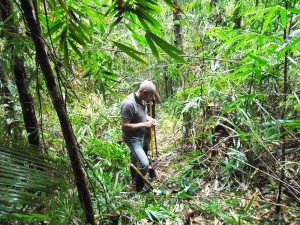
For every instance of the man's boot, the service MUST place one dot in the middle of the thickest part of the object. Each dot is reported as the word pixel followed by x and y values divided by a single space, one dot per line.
pixel 132 173
pixel 139 183
pixel 152 173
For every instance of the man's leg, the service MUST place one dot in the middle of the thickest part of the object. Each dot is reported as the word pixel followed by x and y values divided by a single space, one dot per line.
pixel 133 161
pixel 142 163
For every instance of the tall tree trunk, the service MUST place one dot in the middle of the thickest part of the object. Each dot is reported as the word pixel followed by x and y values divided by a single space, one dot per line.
pixel 26 100
pixel 178 38
pixel 282 129
pixel 177 28
pixel 187 125
pixel 58 104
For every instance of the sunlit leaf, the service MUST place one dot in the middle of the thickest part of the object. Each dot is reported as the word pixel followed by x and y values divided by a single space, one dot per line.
pixel 291 123
pixel 283 17
pixel 289 39
pixel 78 12
pixel 169 3
pixel 117 21
pixel 166 47
pixel 63 5
pixel 58 24
pixel 294 10
pixel 130 51
pixel 150 18
pixel 267 20
pixel 152 45
pixel 258 59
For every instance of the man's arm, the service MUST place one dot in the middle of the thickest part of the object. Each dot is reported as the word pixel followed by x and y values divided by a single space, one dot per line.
pixel 127 125
pixel 157 98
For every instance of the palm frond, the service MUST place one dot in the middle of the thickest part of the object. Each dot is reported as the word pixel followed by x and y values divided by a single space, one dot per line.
pixel 25 176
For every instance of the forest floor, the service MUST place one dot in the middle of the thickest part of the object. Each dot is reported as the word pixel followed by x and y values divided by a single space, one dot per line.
pixel 203 185
pixel 215 199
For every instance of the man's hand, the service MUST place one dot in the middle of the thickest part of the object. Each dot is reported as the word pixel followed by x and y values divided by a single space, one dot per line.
pixel 151 122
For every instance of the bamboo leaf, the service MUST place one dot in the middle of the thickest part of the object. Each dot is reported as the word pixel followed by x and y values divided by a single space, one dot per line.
pixel 74 47
pixel 112 9
pixel 267 21
pixel 150 6
pixel 130 51
pixel 143 23
pixel 117 21
pixel 289 39
pixel 58 24
pixel 294 11
pixel 260 13
pixel 170 4
pixel 258 59
pixel 133 40
pixel 24 174
pixel 88 72
pixel 79 32
pixel 62 4
pixel 62 38
pixel 77 38
pixel 78 12
pixel 153 21
pixel 163 44
pixel 151 45
pixel 283 17
pixel 66 54
pixel 166 47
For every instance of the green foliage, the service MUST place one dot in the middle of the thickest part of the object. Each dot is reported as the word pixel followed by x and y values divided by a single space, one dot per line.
pixel 80 37
pixel 157 213
pixel 230 210
pixel 27 176
pixel 63 208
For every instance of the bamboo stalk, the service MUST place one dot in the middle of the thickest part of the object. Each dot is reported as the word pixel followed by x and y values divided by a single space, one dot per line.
pixel 285 78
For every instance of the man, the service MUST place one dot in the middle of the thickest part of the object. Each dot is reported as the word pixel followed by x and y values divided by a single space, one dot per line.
pixel 134 123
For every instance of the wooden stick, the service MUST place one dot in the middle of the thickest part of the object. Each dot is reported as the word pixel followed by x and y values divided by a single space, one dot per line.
pixel 141 175
pixel 150 130
pixel 155 142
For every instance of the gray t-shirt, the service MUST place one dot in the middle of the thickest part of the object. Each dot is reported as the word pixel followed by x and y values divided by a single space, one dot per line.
pixel 136 113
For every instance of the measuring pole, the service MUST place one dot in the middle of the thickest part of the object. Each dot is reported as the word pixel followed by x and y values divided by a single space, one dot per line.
pixel 151 130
